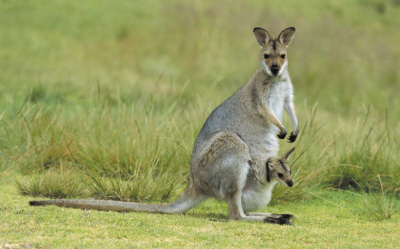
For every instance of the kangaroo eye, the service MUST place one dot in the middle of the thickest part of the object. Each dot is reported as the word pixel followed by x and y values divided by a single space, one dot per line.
pixel 290 171
pixel 283 56
pixel 266 56
pixel 280 175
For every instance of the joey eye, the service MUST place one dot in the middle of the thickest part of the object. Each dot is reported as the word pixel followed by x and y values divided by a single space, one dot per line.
pixel 290 171
pixel 280 175
pixel 283 56
pixel 266 56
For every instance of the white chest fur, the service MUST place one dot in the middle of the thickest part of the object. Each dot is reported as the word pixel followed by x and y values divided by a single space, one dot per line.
pixel 276 97
pixel 255 198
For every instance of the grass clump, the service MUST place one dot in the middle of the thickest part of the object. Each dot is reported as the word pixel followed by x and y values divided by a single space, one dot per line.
pixel 373 152
pixel 54 183
pixel 136 189
pixel 377 204
pixel 117 161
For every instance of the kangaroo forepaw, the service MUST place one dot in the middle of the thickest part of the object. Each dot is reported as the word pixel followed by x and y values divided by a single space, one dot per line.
pixel 292 138
pixel 282 135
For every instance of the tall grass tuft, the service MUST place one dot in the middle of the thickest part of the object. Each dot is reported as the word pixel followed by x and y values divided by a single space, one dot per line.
pixel 125 153
pixel 3 170
pixel 54 183
pixel 369 151
pixel 377 204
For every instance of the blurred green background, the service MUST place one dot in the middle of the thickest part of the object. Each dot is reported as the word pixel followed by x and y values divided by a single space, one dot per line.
pixel 105 98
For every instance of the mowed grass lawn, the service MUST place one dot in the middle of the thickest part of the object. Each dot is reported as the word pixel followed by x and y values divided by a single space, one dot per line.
pixel 105 99
pixel 333 222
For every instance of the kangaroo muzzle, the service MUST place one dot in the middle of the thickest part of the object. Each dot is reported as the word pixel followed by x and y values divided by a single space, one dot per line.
pixel 275 70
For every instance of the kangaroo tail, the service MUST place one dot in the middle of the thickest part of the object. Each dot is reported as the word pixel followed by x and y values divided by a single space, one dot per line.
pixel 188 199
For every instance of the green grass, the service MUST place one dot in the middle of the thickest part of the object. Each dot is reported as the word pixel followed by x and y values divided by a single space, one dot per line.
pixel 330 222
pixel 105 100
pixel 380 205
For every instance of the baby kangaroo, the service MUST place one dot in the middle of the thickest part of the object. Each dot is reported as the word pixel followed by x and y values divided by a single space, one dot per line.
pixel 235 153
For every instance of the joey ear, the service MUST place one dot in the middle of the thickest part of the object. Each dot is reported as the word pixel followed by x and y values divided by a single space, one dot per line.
pixel 287 154
pixel 269 165
pixel 262 36
pixel 286 36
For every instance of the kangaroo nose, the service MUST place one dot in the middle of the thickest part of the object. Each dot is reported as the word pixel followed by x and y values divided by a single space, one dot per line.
pixel 290 183
pixel 275 69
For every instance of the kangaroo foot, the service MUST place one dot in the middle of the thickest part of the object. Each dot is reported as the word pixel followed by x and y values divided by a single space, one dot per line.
pixel 280 219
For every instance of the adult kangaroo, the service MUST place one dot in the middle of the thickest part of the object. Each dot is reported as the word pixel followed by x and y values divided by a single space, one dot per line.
pixel 235 154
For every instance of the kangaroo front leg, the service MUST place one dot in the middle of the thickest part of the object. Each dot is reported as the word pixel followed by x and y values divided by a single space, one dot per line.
pixel 290 110
pixel 270 117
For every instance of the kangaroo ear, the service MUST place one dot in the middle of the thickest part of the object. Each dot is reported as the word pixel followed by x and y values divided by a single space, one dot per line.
pixel 286 36
pixel 262 36
pixel 287 154
pixel 269 165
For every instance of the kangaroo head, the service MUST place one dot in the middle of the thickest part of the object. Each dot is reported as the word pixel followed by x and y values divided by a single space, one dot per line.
pixel 277 168
pixel 273 51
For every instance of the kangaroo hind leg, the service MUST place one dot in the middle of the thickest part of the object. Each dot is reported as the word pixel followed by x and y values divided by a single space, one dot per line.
pixel 222 167
pixel 228 171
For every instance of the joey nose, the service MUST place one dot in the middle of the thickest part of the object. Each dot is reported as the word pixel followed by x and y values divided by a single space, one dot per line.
pixel 290 183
